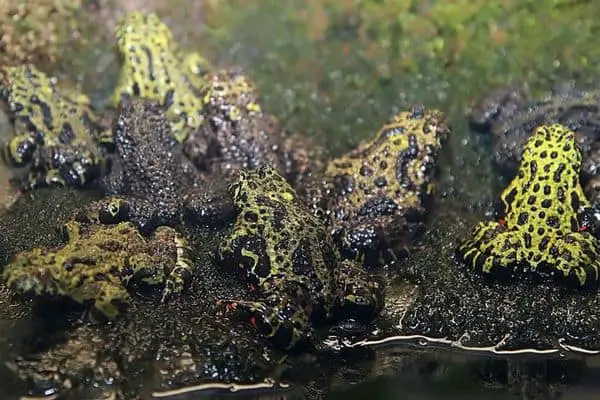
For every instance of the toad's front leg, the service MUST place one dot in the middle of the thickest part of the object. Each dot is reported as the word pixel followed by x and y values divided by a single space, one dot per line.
pixel 176 267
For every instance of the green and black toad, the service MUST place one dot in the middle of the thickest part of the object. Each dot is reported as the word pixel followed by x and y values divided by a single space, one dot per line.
pixel 98 261
pixel 374 198
pixel 542 230
pixel 56 134
pixel 288 257
pixel 155 68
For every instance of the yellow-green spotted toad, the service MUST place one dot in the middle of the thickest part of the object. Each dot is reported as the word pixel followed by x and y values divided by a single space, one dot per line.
pixel 155 68
pixel 373 198
pixel 288 257
pixel 542 229
pixel 97 262
pixel 56 132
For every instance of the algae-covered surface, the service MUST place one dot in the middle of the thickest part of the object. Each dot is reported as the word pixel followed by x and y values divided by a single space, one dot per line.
pixel 333 70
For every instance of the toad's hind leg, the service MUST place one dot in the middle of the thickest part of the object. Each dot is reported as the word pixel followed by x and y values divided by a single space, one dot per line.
pixel 278 319
pixel 578 258
pixel 492 249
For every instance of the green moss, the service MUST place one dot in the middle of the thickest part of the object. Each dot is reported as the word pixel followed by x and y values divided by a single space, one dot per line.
pixel 35 31
pixel 336 67
pixel 498 39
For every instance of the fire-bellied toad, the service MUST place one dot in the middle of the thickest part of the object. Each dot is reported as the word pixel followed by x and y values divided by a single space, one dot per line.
pixel 542 229
pixel 156 183
pixel 56 132
pixel 97 262
pixel 155 68
pixel 287 255
pixel 374 197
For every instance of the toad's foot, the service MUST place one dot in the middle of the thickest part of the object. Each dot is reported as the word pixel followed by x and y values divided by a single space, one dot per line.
pixel 492 249
pixel 361 296
pixel 284 323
